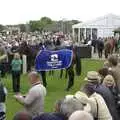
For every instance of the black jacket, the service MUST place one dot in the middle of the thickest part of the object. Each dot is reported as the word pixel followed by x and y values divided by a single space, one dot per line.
pixel 109 99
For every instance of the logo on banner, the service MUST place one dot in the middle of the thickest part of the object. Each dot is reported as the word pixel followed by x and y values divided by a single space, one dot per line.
pixel 54 57
pixel 54 61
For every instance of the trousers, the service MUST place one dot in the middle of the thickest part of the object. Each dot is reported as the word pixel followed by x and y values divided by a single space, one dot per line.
pixel 16 81
pixel 70 79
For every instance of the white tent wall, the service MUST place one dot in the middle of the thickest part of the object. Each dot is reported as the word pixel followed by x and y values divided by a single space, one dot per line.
pixel 105 32
pixel 105 25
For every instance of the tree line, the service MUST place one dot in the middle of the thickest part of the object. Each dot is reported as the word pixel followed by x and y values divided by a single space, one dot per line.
pixel 45 24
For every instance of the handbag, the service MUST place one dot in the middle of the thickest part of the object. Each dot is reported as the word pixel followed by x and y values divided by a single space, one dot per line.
pixel 96 118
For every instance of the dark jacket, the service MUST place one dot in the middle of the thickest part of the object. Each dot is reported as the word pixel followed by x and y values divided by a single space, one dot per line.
pixel 100 45
pixel 109 99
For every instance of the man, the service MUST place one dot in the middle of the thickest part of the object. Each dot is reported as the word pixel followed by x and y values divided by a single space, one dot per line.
pixel 94 80
pixel 100 47
pixel 22 116
pixel 34 101
pixel 99 108
pixel 94 42
pixel 3 59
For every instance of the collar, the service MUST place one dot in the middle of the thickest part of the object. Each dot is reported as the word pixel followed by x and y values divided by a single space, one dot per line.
pixel 37 83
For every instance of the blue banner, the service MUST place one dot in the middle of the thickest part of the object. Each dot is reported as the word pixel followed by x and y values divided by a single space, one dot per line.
pixel 49 60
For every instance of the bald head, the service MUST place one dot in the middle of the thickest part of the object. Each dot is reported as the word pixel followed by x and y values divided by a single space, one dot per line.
pixel 34 77
pixel 80 115
pixel 22 116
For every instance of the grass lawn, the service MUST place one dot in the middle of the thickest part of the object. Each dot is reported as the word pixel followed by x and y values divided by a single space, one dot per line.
pixel 55 89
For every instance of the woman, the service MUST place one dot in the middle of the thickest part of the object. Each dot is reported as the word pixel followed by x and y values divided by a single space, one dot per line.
pixel 103 72
pixel 16 71
pixel 110 83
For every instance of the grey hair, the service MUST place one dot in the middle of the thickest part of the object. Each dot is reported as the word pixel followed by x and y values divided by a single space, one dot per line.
pixel 36 74
pixel 81 115
pixel 69 106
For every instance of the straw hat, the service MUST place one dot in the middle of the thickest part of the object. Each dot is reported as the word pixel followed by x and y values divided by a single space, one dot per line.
pixel 92 76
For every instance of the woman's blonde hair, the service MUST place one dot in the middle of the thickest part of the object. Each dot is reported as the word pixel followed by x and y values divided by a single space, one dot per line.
pixel 109 77
pixel 17 55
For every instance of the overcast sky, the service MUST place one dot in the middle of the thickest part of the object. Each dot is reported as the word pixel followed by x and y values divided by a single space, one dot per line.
pixel 18 11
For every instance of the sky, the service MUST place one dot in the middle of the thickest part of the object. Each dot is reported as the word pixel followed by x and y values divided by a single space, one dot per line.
pixel 21 11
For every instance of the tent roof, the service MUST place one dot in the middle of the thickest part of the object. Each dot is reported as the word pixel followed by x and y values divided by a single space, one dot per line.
pixel 99 22
pixel 117 30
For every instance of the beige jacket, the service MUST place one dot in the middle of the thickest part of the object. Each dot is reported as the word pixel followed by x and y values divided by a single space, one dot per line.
pixel 103 111
pixel 34 101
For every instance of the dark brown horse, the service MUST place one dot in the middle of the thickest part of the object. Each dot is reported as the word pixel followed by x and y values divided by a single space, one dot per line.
pixel 76 61
pixel 109 47
pixel 31 54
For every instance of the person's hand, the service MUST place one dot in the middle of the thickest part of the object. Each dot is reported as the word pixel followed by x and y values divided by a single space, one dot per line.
pixel 17 96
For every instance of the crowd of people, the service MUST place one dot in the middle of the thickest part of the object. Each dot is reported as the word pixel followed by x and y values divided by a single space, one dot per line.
pixel 106 45
pixel 97 99
pixel 31 43
pixel 11 61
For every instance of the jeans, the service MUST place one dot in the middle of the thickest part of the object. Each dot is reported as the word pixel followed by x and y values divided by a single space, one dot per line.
pixel 16 81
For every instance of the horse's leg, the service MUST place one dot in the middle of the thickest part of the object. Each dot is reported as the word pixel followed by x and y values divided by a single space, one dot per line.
pixel 71 78
pixel 61 73
pixel 106 54
pixel 78 65
pixel 66 74
pixel 50 72
pixel 111 51
pixel 43 74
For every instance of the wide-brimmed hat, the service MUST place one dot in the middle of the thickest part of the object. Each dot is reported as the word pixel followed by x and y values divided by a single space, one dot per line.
pixel 92 76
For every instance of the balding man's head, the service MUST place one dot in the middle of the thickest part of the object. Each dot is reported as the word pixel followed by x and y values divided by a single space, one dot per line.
pixel 81 115
pixel 22 116
pixel 34 77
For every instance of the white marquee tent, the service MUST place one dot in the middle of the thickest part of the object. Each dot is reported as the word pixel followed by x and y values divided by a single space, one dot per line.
pixel 101 27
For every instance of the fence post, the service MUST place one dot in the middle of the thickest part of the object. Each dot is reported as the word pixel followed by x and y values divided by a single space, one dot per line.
pixel 24 64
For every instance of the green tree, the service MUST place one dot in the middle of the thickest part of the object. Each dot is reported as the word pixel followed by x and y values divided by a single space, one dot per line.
pixel 22 27
pixel 41 24
pixel 44 22
pixel 34 25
